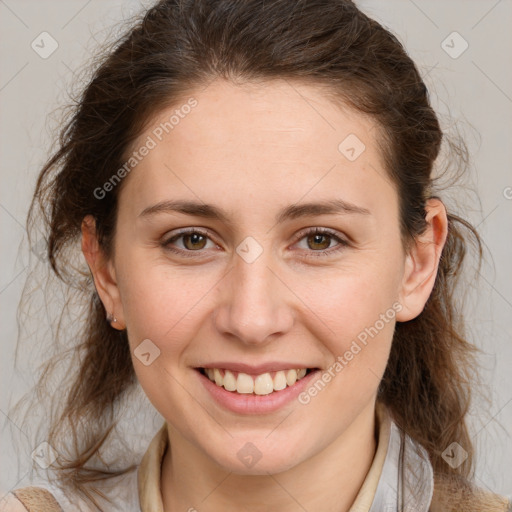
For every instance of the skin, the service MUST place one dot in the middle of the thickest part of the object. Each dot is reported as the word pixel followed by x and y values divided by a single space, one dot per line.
pixel 252 150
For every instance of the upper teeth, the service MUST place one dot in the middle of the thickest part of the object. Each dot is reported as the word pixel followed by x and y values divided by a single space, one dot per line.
pixel 262 384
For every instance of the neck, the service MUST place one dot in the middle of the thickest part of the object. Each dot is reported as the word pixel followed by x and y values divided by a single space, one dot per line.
pixel 328 481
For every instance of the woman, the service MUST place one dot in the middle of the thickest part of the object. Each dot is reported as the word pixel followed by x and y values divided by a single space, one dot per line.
pixel 251 183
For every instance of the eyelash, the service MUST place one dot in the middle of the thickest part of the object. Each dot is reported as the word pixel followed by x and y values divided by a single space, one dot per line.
pixel 342 243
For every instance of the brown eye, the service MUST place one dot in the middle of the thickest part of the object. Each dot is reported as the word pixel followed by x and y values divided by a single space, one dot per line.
pixel 319 241
pixel 194 241
pixel 189 242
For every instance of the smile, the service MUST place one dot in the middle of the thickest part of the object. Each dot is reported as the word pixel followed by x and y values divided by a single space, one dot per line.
pixel 262 384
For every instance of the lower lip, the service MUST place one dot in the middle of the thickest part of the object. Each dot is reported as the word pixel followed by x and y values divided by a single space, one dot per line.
pixel 255 404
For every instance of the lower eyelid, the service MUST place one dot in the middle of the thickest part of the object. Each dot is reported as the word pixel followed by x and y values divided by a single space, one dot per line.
pixel 310 253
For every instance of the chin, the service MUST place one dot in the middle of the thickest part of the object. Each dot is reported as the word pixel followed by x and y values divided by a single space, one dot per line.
pixel 257 458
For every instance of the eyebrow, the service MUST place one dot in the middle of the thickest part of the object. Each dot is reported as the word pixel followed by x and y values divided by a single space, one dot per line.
pixel 294 211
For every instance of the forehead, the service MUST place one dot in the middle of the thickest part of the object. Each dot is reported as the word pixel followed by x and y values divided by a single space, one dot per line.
pixel 254 113
pixel 276 138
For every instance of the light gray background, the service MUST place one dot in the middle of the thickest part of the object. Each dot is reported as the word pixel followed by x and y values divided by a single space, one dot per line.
pixel 475 89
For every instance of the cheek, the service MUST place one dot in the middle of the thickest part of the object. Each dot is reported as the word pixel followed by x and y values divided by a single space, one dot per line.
pixel 350 302
pixel 162 307
pixel 354 318
pixel 162 304
pixel 358 339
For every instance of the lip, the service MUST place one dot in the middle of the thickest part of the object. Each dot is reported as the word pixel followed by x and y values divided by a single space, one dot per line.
pixel 258 369
pixel 250 403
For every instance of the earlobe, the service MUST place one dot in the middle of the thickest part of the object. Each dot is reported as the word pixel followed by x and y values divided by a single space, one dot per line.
pixel 103 273
pixel 422 262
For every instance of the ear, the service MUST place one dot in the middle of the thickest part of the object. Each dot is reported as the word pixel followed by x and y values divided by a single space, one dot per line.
pixel 422 262
pixel 103 273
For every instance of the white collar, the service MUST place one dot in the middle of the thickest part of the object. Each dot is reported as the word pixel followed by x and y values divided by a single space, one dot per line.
pixel 407 479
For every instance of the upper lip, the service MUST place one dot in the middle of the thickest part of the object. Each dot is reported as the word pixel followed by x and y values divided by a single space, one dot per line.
pixel 258 369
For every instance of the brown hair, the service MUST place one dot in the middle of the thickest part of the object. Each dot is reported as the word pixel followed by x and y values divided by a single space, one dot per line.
pixel 179 46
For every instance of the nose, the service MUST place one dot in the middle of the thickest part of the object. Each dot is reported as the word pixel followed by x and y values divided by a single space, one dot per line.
pixel 254 303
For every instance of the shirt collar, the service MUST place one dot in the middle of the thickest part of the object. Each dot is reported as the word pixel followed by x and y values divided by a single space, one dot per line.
pixel 406 479
pixel 149 470
pixel 383 488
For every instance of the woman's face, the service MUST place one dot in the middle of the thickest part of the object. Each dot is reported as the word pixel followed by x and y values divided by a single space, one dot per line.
pixel 259 234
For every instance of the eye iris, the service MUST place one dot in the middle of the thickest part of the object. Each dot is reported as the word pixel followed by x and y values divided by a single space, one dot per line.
pixel 317 239
pixel 194 238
